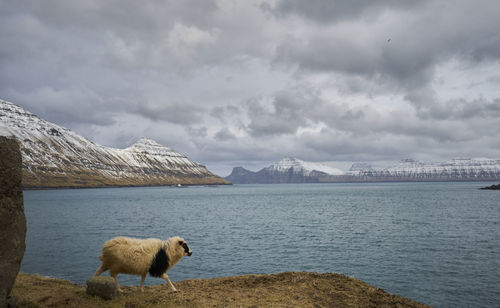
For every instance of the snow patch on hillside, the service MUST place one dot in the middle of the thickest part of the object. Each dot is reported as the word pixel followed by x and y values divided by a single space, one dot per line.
pixel 303 167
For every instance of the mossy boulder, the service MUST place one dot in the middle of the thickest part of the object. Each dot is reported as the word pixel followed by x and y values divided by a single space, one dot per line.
pixel 102 286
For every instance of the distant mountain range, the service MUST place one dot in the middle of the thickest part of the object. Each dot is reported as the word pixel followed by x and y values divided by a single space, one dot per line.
pixel 458 169
pixel 292 170
pixel 287 170
pixel 54 156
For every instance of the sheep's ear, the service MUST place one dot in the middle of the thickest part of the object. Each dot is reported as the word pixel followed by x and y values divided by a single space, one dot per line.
pixel 180 243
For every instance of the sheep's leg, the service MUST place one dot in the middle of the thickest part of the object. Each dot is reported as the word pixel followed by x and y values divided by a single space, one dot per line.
pixel 100 270
pixel 165 276
pixel 116 281
pixel 143 277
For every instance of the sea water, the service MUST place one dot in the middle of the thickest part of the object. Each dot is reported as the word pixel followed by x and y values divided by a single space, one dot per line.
pixel 437 243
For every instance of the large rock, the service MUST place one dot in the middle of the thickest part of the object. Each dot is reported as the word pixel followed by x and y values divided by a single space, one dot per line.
pixel 102 286
pixel 492 187
pixel 12 219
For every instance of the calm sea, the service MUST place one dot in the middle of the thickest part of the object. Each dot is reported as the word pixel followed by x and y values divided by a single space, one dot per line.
pixel 437 243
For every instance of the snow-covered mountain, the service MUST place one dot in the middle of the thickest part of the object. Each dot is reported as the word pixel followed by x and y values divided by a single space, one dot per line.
pixel 292 170
pixel 287 170
pixel 458 169
pixel 360 166
pixel 54 156
pixel 301 167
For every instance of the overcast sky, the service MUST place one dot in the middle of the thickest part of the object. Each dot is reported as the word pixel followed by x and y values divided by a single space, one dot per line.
pixel 245 83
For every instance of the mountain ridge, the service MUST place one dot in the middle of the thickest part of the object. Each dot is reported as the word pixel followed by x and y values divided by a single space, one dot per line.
pixel 56 157
pixel 458 169
pixel 454 169
pixel 287 170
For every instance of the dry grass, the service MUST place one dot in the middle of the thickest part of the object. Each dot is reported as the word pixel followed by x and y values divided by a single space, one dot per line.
pixel 298 289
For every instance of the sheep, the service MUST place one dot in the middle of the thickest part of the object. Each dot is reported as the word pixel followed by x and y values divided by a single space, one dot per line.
pixel 125 255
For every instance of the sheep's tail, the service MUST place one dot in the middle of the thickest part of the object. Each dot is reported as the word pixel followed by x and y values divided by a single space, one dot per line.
pixel 101 257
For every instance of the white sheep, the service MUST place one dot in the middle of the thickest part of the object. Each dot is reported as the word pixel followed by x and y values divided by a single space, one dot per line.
pixel 125 255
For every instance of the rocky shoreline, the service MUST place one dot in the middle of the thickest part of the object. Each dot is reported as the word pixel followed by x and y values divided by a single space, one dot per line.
pixel 492 187
pixel 289 289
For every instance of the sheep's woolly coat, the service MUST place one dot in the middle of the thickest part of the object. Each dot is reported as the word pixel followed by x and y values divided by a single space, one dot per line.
pixel 125 255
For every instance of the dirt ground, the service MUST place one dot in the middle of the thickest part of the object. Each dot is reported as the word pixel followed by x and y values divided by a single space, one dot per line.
pixel 297 289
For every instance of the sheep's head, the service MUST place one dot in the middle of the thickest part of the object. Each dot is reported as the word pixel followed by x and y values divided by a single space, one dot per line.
pixel 183 245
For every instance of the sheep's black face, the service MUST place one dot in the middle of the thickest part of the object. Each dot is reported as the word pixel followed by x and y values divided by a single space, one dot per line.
pixel 187 251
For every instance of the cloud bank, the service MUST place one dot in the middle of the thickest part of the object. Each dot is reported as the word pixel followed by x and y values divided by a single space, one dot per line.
pixel 248 82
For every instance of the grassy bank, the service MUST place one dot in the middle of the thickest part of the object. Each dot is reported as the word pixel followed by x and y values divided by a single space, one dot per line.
pixel 297 289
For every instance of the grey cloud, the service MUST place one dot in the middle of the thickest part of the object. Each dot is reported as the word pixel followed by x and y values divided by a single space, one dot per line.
pixel 401 68
pixel 224 113
pixel 367 147
pixel 177 113
pixel 421 38
pixel 217 112
pixel 429 106
pixel 281 114
pixel 464 109
pixel 267 124
pixel 355 85
pixel 399 123
pixel 325 11
pixel 197 132
pixel 127 36
pixel 494 79
pixel 293 108
pixel 486 49
pixel 224 135
pixel 67 107
pixel 394 67
pixel 116 15
pixel 288 110
pixel 453 121
pixel 371 146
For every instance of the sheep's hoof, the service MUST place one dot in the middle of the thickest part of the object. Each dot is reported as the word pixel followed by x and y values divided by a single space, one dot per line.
pixel 119 290
pixel 142 290
pixel 175 291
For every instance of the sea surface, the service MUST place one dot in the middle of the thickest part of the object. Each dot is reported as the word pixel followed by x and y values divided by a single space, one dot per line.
pixel 437 243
